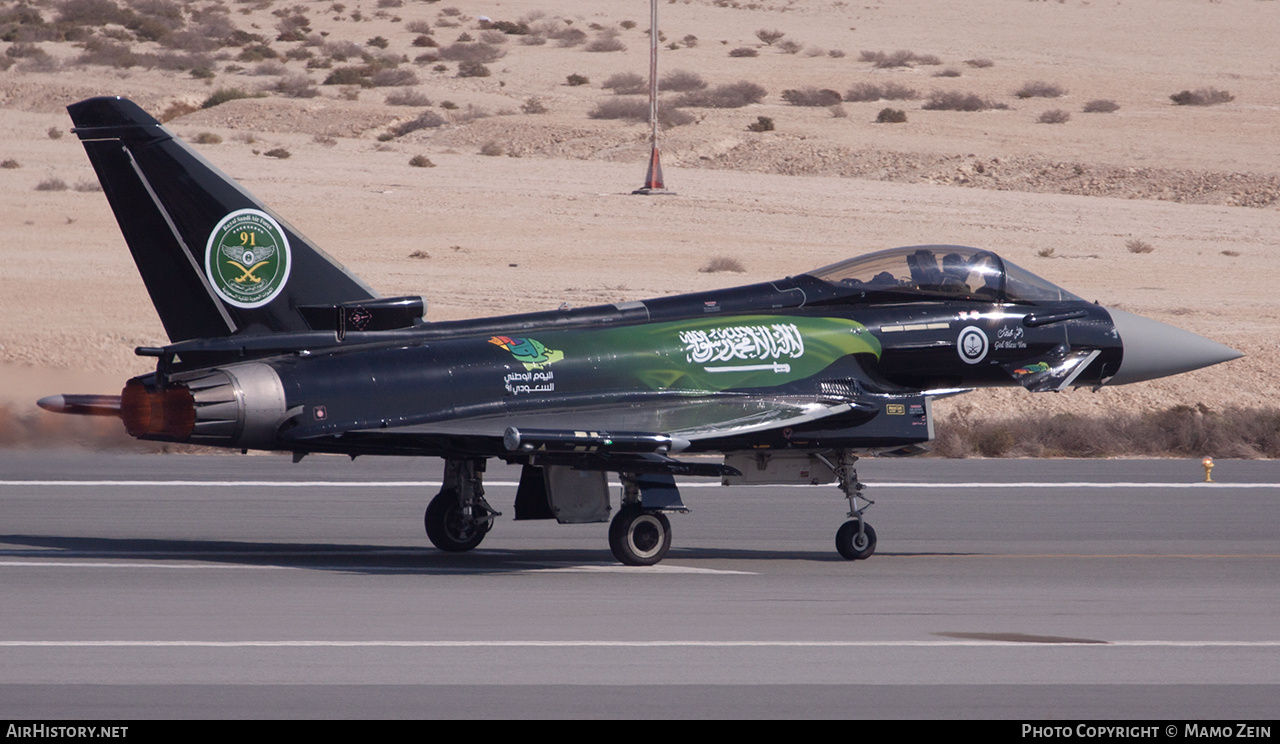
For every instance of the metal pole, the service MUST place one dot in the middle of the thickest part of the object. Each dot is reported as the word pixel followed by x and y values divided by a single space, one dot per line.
pixel 653 73
pixel 653 179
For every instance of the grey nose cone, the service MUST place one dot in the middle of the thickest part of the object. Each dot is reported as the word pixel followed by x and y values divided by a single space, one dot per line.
pixel 1153 349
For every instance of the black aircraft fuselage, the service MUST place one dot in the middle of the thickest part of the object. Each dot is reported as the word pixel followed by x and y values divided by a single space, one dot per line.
pixel 273 345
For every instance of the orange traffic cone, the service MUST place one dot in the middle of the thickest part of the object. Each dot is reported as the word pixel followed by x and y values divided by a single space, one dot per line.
pixel 653 179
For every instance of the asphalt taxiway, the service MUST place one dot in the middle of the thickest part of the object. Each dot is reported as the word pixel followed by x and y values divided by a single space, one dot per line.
pixel 247 586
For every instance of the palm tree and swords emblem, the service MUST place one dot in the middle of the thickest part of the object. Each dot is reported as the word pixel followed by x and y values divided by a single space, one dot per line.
pixel 248 260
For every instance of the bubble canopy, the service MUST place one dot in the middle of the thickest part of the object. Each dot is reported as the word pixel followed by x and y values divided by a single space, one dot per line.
pixel 942 271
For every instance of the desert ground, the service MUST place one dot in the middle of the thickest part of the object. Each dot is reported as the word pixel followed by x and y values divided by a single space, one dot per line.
pixel 1170 211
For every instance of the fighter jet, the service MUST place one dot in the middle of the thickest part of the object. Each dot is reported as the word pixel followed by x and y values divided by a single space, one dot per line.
pixel 275 346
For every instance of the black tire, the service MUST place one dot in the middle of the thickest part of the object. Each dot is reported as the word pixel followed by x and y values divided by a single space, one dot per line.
pixel 850 547
pixel 638 537
pixel 446 528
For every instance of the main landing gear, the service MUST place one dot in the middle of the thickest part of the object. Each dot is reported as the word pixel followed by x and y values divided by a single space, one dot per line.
pixel 855 540
pixel 458 518
pixel 638 536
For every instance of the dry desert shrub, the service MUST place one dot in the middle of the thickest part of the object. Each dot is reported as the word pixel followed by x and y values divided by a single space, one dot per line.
pixel 222 95
pixel 891 116
pixel 393 77
pixel 107 54
pixel 1101 106
pixel 492 149
pixel 791 47
pixel 811 97
pixel 979 63
pixel 634 109
pixel 576 79
pixel 723 263
pixel 407 97
pixel 1054 116
pixel 761 124
pixel 626 83
pixel 744 52
pixel 900 58
pixel 472 69
pixel 1040 89
pixel 569 37
pixel 10 163
pixel 348 76
pixel 296 86
pixel 341 51
pixel 956 101
pixel 606 43
pixel 425 120
pixel 207 138
pixel 1201 97
pixel 509 28
pixel 420 161
pixel 91 13
pixel 52 184
pixel 637 109
pixel 41 62
pixel 278 153
pixel 950 72
pixel 730 95
pixel 271 67
pixel 1138 246
pixel 534 105
pixel 861 92
pixel 470 113
pixel 888 92
pixel 256 53
pixel 681 81
pixel 769 36
pixel 472 52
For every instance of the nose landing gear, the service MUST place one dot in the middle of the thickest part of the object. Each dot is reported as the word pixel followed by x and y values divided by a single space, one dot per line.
pixel 855 540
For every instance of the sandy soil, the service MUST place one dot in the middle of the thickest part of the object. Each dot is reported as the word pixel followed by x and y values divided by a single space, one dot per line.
pixel 552 221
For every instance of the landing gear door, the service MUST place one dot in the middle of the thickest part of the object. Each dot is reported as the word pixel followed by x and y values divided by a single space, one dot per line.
pixel 577 496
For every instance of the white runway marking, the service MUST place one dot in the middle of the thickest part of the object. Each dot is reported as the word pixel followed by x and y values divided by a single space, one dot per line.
pixel 630 644
pixel 661 569
pixel 513 484
pixel 106 564
pixel 666 568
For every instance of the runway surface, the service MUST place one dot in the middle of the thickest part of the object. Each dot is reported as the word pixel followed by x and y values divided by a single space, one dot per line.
pixel 250 587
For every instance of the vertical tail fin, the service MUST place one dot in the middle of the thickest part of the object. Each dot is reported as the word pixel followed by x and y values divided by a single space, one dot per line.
pixel 215 260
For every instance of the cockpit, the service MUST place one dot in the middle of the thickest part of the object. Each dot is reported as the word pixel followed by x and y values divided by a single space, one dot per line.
pixel 939 271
